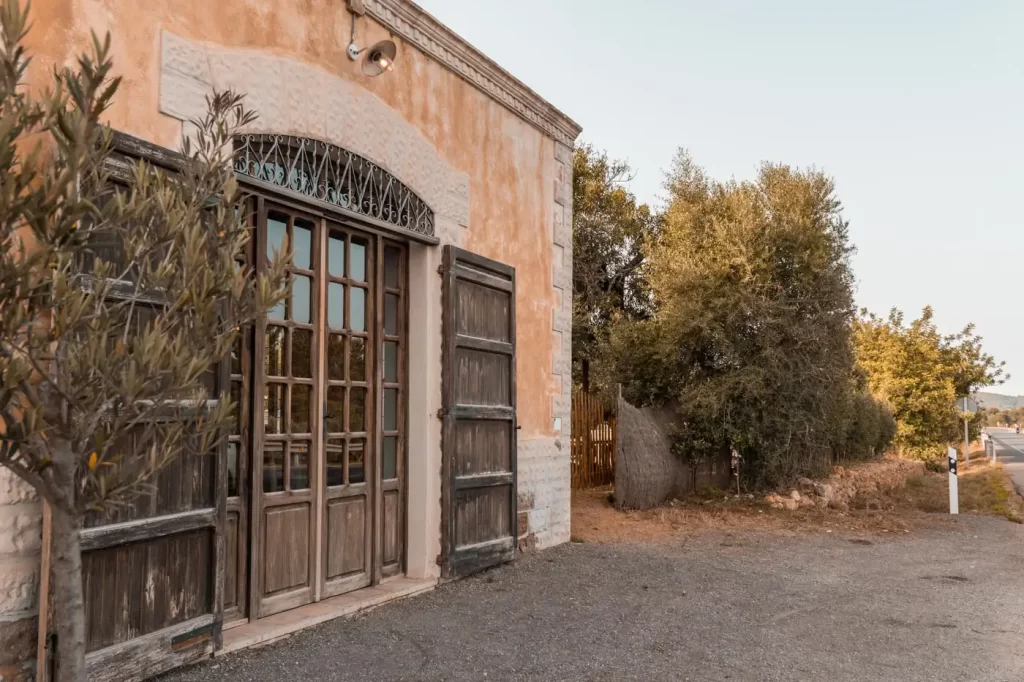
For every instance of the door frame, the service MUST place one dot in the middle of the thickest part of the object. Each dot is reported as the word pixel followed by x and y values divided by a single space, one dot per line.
pixel 260 606
pixel 369 487
pixel 378 240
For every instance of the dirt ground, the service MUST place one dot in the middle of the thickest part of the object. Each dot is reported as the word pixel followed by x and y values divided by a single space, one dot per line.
pixel 595 520
pixel 715 591
pixel 984 489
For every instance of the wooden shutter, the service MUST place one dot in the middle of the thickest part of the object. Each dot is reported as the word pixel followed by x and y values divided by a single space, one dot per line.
pixel 153 570
pixel 479 413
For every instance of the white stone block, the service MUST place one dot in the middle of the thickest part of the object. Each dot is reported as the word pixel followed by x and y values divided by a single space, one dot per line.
pixel 21 528
pixel 19 581
pixel 14 490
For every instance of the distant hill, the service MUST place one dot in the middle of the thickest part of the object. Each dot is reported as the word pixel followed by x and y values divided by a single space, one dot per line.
pixel 1000 401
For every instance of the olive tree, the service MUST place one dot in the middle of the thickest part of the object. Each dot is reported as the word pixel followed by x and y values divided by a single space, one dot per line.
pixel 117 301
pixel 751 337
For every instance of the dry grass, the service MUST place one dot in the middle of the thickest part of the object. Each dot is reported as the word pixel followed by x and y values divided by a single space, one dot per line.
pixel 984 489
pixel 594 519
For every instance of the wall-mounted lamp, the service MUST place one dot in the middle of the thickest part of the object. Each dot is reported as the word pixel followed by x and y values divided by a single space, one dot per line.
pixel 380 57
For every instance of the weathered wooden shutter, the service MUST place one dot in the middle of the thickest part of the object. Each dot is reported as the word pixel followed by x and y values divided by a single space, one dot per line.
pixel 152 571
pixel 479 413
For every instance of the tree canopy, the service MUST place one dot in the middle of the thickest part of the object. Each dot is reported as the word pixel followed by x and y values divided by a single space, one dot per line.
pixel 921 373
pixel 750 335
pixel 609 231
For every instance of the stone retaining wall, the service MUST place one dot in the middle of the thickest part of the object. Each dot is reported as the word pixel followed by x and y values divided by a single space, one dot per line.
pixel 847 485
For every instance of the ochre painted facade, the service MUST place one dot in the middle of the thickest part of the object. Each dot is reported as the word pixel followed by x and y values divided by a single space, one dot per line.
pixel 511 164
pixel 490 157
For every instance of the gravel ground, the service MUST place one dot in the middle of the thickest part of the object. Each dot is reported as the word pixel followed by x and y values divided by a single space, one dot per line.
pixel 942 603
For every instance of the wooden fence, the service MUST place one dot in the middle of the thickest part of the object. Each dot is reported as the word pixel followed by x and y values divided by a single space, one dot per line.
pixel 593 441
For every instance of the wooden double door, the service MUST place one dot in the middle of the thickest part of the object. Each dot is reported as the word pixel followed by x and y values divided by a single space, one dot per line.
pixel 316 463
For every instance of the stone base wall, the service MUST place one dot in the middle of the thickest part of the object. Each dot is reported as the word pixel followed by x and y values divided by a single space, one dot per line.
pixel 544 470
pixel 20 540
pixel 544 493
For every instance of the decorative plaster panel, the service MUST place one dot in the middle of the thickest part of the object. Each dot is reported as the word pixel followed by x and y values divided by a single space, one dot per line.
pixel 344 114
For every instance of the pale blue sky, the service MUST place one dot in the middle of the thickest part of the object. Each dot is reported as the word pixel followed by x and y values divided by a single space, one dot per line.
pixel 915 107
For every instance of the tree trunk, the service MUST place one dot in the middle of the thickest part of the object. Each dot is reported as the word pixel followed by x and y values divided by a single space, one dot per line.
pixel 68 597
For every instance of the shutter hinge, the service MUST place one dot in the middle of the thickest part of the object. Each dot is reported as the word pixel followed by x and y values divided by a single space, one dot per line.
pixel 441 413
pixel 440 270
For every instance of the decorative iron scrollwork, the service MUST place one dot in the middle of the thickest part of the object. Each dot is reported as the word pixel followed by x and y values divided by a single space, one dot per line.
pixel 329 173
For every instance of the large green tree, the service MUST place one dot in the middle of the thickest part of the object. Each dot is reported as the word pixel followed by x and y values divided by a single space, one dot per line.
pixel 921 373
pixel 751 337
pixel 609 231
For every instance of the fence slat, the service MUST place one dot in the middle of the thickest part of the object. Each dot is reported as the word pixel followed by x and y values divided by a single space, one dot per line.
pixel 592 443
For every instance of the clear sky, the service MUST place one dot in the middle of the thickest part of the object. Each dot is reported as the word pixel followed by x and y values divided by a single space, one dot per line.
pixel 915 107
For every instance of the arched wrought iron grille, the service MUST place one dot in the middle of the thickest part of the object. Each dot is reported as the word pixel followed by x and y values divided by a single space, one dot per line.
pixel 323 171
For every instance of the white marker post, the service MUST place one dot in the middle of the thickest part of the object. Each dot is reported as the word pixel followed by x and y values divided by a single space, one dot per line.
pixel 954 493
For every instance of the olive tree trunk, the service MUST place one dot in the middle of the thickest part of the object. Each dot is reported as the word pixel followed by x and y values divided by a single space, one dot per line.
pixel 67 593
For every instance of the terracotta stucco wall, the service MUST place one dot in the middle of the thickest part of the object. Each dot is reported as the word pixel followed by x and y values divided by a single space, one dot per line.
pixel 510 164
pixel 518 212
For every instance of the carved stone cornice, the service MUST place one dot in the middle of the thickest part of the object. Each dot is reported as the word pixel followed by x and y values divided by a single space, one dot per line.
pixel 416 26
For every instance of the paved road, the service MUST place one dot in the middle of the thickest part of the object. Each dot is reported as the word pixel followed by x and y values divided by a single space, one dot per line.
pixel 1010 451
pixel 941 604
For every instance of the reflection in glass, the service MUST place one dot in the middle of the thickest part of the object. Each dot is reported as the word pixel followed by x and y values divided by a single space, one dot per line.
pixel 357 260
pixel 273 408
pixel 208 381
pixel 300 299
pixel 275 351
pixel 334 453
pixel 233 469
pixel 392 260
pixel 357 309
pixel 236 400
pixel 391 361
pixel 300 409
pixel 336 305
pixel 356 460
pixel 236 355
pixel 336 255
pixel 391 314
pixel 273 467
pixel 357 363
pixel 335 414
pixel 335 357
pixel 298 475
pixel 302 236
pixel 390 409
pixel 302 353
pixel 357 410
pixel 277 233
pixel 389 460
